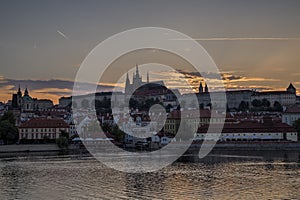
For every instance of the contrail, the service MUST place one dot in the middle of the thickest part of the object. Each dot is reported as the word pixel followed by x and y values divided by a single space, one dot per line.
pixel 238 39
pixel 62 34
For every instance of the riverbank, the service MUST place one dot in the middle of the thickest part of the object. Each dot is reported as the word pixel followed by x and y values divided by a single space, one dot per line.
pixel 53 149
pixel 258 145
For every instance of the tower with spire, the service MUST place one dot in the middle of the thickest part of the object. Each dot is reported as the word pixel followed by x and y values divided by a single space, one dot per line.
pixel 127 84
pixel 206 88
pixel 136 81
pixel 19 93
pixel 291 89
pixel 201 88
pixel 26 93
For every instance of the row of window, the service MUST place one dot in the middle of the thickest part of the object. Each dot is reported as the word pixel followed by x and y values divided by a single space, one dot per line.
pixel 262 134
pixel 38 136
pixel 39 130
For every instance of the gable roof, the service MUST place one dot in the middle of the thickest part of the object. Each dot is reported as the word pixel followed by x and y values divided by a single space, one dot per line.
pixel 44 123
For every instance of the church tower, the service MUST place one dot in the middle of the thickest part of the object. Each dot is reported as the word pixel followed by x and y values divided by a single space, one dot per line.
pixel 201 88
pixel 137 79
pixel 127 85
pixel 26 93
pixel 19 97
pixel 19 93
pixel 206 88
pixel 291 89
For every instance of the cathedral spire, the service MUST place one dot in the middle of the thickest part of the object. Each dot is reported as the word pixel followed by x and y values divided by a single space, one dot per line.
pixel 206 88
pixel 201 87
pixel 137 71
pixel 148 77
pixel 26 93
pixel 127 79
pixel 19 91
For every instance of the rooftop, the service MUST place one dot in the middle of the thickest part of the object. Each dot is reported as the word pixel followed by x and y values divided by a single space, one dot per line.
pixel 44 123
pixel 252 127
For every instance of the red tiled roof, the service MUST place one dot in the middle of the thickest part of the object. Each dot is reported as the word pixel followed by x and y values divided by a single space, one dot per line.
pixel 271 93
pixel 204 113
pixel 44 123
pixel 251 127
pixel 293 109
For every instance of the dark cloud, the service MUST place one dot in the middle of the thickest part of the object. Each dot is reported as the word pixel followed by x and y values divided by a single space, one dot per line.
pixel 231 77
pixel 209 75
pixel 61 86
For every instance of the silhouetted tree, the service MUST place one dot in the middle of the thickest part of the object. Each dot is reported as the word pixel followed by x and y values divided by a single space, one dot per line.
pixel 256 103
pixel 8 130
pixel 296 125
pixel 244 106
pixel 277 106
pixel 266 103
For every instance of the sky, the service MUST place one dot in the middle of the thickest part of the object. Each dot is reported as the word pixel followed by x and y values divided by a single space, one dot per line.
pixel 255 44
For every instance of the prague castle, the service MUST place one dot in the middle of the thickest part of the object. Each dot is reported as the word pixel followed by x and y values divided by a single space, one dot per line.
pixel 136 81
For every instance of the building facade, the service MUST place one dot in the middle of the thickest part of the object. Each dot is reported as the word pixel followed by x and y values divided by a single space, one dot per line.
pixel 264 130
pixel 291 114
pixel 285 98
pixel 26 103
pixel 41 128
pixel 137 81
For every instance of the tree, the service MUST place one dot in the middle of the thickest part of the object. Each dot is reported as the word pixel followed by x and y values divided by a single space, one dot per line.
pixel 133 103
pixel 9 116
pixel 256 103
pixel 8 130
pixel 62 141
pixel 244 106
pixel 119 134
pixel 266 103
pixel 296 125
pixel 64 133
pixel 277 106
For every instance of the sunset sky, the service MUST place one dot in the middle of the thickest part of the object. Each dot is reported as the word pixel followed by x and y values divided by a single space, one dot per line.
pixel 255 44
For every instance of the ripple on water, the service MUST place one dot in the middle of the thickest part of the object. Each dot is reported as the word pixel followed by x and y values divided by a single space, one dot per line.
pixel 69 177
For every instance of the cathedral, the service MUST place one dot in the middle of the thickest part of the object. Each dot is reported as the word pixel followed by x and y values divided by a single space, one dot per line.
pixel 136 81
pixel 27 103
pixel 201 90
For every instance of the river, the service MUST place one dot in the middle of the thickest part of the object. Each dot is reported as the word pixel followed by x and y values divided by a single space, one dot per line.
pixel 218 177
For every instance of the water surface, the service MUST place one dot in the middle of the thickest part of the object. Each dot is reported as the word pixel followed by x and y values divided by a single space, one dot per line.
pixel 74 177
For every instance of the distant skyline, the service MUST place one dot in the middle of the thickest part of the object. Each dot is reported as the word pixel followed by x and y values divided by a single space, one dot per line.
pixel 255 43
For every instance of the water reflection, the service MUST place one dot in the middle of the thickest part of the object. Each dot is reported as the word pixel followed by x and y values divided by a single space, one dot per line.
pixel 230 175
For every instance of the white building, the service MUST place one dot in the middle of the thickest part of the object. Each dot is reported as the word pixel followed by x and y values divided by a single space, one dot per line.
pixel 285 98
pixel 291 114
pixel 41 128
pixel 265 130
